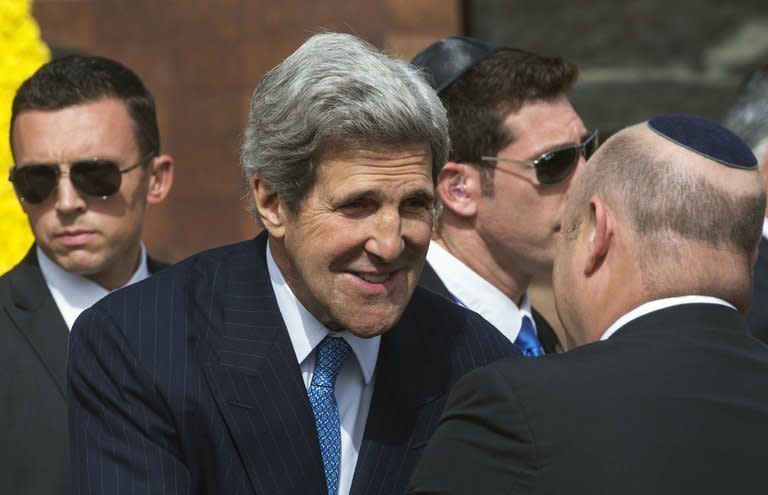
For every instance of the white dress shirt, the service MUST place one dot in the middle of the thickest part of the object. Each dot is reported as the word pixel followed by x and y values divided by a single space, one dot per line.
pixel 765 228
pixel 74 293
pixel 474 292
pixel 659 304
pixel 354 384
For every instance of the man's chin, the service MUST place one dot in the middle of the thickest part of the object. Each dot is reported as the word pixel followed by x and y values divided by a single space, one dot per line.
pixel 372 324
pixel 81 265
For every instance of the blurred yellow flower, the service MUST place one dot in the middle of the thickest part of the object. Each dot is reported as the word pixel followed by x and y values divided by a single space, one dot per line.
pixel 21 53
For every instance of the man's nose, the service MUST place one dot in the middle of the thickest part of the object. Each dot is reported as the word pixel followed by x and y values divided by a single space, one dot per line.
pixel 386 240
pixel 68 199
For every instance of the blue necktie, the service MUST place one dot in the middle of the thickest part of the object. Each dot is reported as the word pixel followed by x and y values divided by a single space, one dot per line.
pixel 330 357
pixel 527 340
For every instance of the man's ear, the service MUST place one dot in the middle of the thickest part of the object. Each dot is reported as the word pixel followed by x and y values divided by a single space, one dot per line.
pixel 269 207
pixel 600 240
pixel 458 187
pixel 160 179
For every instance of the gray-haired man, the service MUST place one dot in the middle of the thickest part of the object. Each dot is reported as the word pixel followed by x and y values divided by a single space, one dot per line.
pixel 297 362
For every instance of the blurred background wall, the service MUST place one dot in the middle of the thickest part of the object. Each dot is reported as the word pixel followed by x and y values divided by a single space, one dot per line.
pixel 637 58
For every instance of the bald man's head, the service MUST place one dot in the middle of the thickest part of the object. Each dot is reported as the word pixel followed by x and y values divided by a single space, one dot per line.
pixel 665 190
pixel 682 192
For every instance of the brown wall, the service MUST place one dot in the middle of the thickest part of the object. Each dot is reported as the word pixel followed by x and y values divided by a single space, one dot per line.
pixel 201 60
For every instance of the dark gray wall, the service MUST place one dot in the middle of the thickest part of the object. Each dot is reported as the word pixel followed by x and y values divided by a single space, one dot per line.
pixel 637 58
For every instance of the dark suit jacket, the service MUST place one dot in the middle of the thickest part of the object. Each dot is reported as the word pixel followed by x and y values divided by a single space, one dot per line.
pixel 757 316
pixel 188 383
pixel 33 358
pixel 674 402
pixel 546 334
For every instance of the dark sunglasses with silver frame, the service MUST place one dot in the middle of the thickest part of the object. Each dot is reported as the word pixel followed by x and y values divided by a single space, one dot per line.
pixel 95 177
pixel 557 164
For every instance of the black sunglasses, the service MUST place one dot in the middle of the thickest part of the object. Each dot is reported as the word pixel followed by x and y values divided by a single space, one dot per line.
pixel 96 177
pixel 557 164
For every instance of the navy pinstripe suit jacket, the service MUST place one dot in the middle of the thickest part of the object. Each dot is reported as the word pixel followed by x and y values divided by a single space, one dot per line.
pixel 188 383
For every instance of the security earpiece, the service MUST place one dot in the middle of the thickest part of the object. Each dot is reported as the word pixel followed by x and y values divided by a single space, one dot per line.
pixel 456 187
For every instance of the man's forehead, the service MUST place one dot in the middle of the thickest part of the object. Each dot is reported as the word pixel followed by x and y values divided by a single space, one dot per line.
pixel 101 127
pixel 553 118
pixel 379 156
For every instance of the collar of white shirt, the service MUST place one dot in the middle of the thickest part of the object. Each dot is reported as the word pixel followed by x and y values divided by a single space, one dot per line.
pixel 306 331
pixel 74 293
pixel 477 294
pixel 658 304
pixel 765 228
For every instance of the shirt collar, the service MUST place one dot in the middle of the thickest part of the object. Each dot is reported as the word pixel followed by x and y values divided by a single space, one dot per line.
pixel 74 293
pixel 306 331
pixel 657 305
pixel 474 292
pixel 765 228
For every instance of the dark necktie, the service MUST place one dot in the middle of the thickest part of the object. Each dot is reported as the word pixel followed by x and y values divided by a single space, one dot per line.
pixel 330 356
pixel 527 340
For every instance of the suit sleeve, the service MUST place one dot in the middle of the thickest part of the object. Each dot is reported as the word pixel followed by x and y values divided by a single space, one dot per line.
pixel 483 443
pixel 122 435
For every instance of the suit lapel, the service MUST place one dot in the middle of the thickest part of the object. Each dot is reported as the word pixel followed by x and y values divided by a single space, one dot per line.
pixel 431 281
pixel 154 266
pixel 255 377
pixel 405 408
pixel 36 316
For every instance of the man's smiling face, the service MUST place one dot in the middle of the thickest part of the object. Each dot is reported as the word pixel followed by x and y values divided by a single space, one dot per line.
pixel 354 251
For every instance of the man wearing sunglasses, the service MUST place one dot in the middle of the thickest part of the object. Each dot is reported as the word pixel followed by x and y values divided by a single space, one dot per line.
pixel 87 159
pixel 516 142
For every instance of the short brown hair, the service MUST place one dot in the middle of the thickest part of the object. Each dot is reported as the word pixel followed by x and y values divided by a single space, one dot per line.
pixel 479 101
pixel 76 79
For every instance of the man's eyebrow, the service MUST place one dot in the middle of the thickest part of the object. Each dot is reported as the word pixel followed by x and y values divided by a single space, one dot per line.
pixel 423 194
pixel 356 196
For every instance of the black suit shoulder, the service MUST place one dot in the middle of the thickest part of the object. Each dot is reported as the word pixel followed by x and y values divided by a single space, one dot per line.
pixel 33 344
pixel 624 415
pixel 34 456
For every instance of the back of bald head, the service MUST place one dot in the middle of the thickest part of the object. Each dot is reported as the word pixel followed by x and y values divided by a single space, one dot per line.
pixel 695 210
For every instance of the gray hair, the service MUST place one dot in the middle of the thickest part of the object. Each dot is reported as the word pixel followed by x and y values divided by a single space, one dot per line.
pixel 336 92
pixel 748 116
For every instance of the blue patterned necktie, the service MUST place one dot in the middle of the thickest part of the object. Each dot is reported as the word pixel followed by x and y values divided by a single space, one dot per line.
pixel 330 356
pixel 527 340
